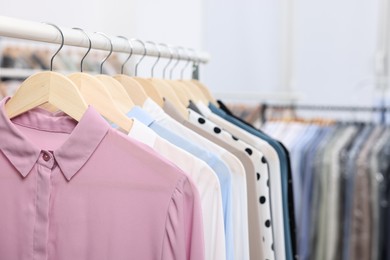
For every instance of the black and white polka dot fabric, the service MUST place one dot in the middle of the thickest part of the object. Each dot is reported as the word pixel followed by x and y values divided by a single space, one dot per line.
pixel 261 178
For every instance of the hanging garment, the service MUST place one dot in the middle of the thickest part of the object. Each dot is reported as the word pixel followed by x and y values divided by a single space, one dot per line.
pixel 205 180
pixel 378 185
pixel 85 191
pixel 258 196
pixel 350 182
pixel 287 191
pixel 274 164
pixel 235 166
pixel 361 223
pixel 213 160
pixel 334 193
pixel 241 221
pixel 321 194
pixel 265 236
pixel 306 234
pixel 342 171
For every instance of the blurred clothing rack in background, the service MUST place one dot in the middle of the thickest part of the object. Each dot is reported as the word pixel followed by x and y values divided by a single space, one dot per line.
pixel 302 107
pixel 328 108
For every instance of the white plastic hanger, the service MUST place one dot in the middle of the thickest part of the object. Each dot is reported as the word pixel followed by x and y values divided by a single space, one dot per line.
pixel 48 87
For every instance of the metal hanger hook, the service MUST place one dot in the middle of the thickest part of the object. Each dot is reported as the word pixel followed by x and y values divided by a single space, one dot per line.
pixel 188 61
pixel 195 65
pixel 170 58
pixel 62 44
pixel 143 55
pixel 158 57
pixel 177 62
pixel 109 54
pixel 89 47
pixel 196 59
pixel 130 53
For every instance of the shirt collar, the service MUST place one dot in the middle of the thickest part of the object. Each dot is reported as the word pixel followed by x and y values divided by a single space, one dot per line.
pixel 204 109
pixel 153 109
pixel 84 138
pixel 194 116
pixel 141 115
pixel 169 108
pixel 194 107
pixel 142 133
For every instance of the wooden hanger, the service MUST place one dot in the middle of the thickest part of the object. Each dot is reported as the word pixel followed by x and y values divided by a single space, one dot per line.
pixel 205 90
pixel 199 87
pixel 165 89
pixel 192 92
pixel 180 102
pixel 197 94
pixel 48 87
pixel 133 88
pixel 150 90
pixel 180 91
pixel 157 88
pixel 117 92
pixel 172 85
pixel 96 94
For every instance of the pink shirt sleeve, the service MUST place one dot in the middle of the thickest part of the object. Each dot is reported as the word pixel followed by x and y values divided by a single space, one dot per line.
pixel 184 228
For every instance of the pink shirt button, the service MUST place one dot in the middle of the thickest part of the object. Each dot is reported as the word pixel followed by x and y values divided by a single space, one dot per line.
pixel 46 157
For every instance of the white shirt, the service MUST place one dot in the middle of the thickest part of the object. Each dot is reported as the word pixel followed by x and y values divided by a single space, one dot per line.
pixel 205 181
pixel 235 166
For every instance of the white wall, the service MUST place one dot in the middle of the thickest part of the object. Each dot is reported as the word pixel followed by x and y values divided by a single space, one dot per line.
pixel 244 40
pixel 97 15
pixel 335 43
pixel 176 22
pixel 328 59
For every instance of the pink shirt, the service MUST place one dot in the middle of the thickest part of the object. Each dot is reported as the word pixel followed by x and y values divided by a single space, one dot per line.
pixel 80 191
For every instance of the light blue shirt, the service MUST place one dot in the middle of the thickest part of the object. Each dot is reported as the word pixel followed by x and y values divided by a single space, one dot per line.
pixel 309 154
pixel 214 161
pixel 296 159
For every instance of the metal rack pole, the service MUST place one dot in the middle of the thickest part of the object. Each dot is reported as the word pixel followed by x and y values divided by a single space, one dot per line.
pixel 41 32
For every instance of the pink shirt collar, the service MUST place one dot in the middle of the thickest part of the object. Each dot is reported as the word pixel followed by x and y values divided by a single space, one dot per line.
pixel 85 136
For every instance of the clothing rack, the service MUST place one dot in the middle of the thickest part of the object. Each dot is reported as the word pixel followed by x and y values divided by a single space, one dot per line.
pixel 41 32
pixel 329 108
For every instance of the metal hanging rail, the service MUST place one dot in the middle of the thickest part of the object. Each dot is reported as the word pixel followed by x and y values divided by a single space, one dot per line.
pixel 41 32
pixel 328 108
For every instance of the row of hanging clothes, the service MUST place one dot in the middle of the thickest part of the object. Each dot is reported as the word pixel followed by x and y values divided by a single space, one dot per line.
pixel 119 167
pixel 340 178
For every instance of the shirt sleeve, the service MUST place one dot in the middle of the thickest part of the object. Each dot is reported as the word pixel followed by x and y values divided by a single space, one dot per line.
pixel 184 228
